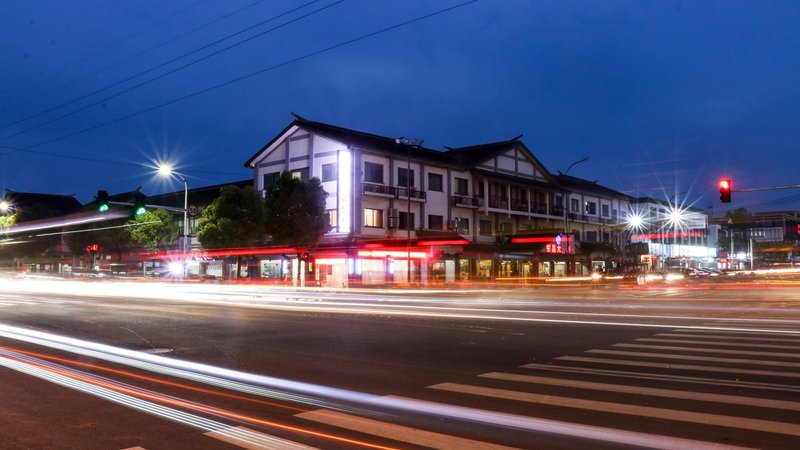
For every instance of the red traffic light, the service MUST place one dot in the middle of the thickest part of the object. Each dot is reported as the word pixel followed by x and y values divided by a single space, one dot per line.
pixel 725 188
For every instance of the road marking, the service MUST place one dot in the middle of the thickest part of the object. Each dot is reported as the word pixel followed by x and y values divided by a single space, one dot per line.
pixel 134 448
pixel 721 344
pixel 754 362
pixel 664 377
pixel 536 424
pixel 735 331
pixel 653 392
pixel 399 433
pixel 728 370
pixel 631 410
pixel 728 338
pixel 710 350
pixel 253 440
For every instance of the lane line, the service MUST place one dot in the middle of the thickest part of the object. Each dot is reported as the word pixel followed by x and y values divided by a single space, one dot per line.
pixel 721 344
pixel 737 338
pixel 254 440
pixel 653 392
pixel 676 415
pixel 735 331
pixel 754 362
pixel 728 370
pixel 720 351
pixel 664 377
pixel 399 433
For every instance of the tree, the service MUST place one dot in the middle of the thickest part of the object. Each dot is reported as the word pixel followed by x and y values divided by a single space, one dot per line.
pixel 151 228
pixel 296 212
pixel 234 219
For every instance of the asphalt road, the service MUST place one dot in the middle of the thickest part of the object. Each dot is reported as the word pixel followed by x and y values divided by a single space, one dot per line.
pixel 167 366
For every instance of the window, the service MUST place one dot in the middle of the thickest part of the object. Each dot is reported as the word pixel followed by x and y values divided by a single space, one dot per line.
pixel 606 237
pixel 300 174
pixel 435 222
pixel 403 178
pixel 462 225
pixel 480 189
pixel 591 236
pixel 485 227
pixel 329 172
pixel 435 182
pixel 462 186
pixel 271 178
pixel 373 218
pixel 558 200
pixel 605 210
pixel 332 218
pixel 590 207
pixel 373 173
pixel 405 223
pixel 573 205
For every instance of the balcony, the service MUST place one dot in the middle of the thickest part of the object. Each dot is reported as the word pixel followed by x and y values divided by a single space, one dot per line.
pixel 498 203
pixel 540 209
pixel 464 202
pixel 519 205
pixel 413 193
pixel 379 189
pixel 557 211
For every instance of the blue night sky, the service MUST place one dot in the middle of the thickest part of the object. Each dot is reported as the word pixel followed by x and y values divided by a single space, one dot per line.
pixel 665 97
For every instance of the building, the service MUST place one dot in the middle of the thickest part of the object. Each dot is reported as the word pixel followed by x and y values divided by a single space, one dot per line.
pixel 401 212
pixel 677 237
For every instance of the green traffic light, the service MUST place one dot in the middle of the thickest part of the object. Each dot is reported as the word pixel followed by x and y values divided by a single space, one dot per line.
pixel 140 210
pixel 103 208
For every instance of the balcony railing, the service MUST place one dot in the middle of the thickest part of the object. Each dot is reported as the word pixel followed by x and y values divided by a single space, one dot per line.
pixel 539 209
pixel 498 203
pixel 557 211
pixel 465 202
pixel 414 193
pixel 519 205
pixel 380 189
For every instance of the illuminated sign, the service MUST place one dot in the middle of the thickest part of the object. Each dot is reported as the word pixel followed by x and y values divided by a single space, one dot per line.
pixel 390 253
pixel 345 181
pixel 554 248
pixel 91 248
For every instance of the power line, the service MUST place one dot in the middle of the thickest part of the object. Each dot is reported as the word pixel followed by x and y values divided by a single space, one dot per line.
pixel 127 38
pixel 134 56
pixel 244 77
pixel 136 86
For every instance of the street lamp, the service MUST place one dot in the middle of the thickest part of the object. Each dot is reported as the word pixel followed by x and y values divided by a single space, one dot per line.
pixel 166 171
pixel 567 198
pixel 4 206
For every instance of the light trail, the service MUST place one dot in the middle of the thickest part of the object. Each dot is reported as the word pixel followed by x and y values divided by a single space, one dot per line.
pixel 150 379
pixel 140 393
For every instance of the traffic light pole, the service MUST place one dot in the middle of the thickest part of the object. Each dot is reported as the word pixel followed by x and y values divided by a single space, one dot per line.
pixel 773 188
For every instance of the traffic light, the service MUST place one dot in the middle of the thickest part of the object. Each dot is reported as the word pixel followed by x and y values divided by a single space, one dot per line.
pixel 725 187
pixel 139 203
pixel 102 201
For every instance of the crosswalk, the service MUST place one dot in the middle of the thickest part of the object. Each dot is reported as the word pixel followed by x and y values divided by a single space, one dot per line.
pixel 11 301
pixel 679 388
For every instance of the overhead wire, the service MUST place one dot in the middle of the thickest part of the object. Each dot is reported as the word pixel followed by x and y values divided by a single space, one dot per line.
pixel 127 38
pixel 240 78
pixel 129 58
pixel 158 66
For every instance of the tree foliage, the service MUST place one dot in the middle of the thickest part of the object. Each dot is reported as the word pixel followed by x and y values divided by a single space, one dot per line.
pixel 234 219
pixel 151 228
pixel 296 211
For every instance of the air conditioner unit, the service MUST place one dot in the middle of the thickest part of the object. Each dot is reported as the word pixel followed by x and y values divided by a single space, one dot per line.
pixel 453 224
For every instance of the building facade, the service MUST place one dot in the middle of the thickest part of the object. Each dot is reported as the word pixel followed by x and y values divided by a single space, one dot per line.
pixel 401 212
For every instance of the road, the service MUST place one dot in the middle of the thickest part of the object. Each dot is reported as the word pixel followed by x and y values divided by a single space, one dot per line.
pixel 164 366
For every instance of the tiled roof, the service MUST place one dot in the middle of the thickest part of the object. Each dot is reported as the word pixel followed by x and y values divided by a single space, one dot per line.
pixel 55 204
pixel 574 183
pixel 201 196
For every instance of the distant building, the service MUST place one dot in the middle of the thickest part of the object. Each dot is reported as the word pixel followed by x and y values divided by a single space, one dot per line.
pixel 676 237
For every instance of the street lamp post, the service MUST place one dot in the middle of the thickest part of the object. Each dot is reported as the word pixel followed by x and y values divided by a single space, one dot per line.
pixel 567 199
pixel 167 171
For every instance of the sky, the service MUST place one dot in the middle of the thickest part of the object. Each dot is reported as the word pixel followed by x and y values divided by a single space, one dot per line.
pixel 663 97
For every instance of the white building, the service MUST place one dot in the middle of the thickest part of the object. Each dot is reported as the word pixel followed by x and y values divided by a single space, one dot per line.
pixel 487 211
pixel 676 236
